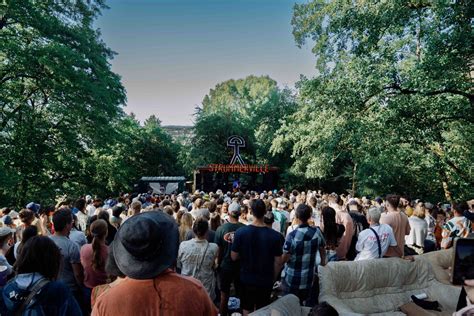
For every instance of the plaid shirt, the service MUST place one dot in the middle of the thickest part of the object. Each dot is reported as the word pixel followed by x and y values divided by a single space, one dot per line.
pixel 302 244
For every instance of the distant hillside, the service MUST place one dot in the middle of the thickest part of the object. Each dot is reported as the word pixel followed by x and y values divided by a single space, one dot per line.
pixel 181 134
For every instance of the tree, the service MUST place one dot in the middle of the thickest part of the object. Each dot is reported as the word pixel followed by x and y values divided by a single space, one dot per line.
pixel 392 108
pixel 211 131
pixel 58 96
pixel 253 108
pixel 133 151
pixel 156 152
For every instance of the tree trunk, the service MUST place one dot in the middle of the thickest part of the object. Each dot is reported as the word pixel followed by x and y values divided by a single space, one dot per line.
pixel 354 170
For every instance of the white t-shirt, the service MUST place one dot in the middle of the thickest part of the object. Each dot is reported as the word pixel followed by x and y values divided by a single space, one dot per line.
pixel 276 226
pixel 418 232
pixel 316 216
pixel 90 210
pixel 367 242
pixel 292 215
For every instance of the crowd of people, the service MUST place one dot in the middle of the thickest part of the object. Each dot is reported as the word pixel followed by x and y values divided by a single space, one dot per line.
pixel 203 253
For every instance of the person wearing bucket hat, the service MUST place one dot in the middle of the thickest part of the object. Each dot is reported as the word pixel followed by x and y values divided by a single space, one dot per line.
pixel 146 246
pixel 145 249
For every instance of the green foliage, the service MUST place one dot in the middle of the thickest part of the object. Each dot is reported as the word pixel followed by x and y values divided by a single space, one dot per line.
pixel 62 128
pixel 392 104
pixel 254 108
pixel 391 109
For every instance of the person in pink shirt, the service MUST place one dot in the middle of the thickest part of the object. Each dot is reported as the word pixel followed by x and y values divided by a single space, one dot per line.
pixel 93 258
pixel 344 218
pixel 399 223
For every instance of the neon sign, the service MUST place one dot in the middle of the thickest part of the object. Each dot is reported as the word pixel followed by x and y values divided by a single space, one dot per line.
pixel 236 142
pixel 237 164
pixel 238 168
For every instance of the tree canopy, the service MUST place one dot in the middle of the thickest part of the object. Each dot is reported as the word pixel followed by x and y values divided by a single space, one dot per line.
pixel 62 126
pixel 254 108
pixel 392 107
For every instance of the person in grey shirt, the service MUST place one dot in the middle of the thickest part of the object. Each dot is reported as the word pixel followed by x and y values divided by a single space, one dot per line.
pixel 196 257
pixel 71 271
pixel 77 235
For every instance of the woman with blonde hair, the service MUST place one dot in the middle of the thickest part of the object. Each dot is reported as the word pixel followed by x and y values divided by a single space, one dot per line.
pixel 186 225
pixel 179 215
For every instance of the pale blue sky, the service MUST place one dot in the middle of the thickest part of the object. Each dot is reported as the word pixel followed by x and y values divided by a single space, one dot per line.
pixel 170 53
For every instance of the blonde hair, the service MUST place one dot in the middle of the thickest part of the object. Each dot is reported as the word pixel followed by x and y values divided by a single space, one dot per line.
pixel 419 210
pixel 185 225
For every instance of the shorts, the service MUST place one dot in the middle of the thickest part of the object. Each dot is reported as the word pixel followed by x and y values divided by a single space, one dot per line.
pixel 226 278
pixel 302 294
pixel 253 297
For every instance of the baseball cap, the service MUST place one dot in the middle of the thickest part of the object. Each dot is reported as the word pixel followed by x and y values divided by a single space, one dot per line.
pixel 34 207
pixel 7 220
pixel 13 214
pixel 429 205
pixel 5 231
pixel 234 209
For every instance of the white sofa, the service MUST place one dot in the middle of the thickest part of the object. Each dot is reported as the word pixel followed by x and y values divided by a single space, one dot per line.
pixel 382 286
pixel 288 305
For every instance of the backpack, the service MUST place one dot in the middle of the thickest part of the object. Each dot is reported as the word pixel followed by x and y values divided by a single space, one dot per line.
pixel 29 306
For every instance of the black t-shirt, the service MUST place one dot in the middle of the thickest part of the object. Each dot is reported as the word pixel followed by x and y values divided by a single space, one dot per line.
pixel 224 245
pixel 257 248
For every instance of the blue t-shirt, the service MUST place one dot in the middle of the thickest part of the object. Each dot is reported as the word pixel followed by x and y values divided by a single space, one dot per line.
pixel 257 248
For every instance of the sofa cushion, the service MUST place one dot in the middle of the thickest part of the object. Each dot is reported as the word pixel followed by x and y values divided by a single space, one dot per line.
pixel 380 286
pixel 366 278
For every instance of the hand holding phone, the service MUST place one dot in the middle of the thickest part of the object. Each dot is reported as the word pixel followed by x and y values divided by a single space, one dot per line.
pixel 463 262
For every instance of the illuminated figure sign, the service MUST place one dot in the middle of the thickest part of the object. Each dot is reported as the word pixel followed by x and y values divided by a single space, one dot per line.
pixel 236 142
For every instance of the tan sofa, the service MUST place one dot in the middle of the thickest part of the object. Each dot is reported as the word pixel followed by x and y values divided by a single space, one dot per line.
pixel 382 286
pixel 288 305
pixel 440 262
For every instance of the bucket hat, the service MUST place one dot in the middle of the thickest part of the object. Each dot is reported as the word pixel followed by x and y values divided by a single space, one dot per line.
pixel 146 245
